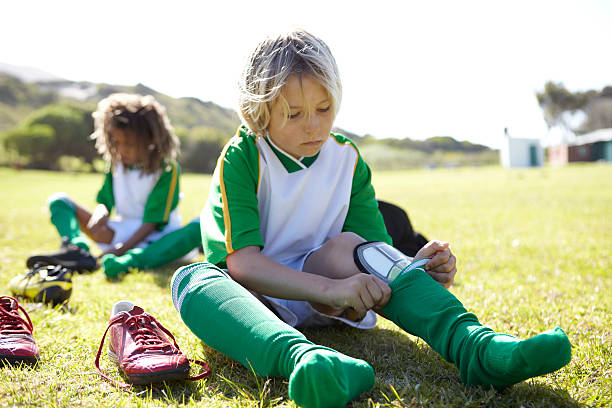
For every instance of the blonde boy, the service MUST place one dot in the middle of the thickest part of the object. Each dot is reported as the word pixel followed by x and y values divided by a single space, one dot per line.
pixel 290 212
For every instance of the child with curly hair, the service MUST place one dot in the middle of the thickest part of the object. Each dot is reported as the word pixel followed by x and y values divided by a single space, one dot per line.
pixel 133 134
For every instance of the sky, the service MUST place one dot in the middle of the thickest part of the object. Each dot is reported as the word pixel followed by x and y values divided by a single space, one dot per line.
pixel 466 69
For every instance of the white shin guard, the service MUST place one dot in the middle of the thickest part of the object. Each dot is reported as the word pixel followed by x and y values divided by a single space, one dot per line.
pixel 384 261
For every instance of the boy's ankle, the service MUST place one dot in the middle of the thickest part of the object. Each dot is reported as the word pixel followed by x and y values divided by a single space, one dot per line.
pixel 113 265
pixel 79 241
pixel 325 377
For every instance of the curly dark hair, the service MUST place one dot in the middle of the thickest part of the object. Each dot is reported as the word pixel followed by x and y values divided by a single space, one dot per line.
pixel 144 117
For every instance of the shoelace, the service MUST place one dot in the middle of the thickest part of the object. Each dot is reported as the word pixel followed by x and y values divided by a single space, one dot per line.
pixel 31 273
pixel 10 320
pixel 144 336
pixel 34 274
pixel 146 339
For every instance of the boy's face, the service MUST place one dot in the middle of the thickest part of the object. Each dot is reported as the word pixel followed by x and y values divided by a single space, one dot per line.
pixel 125 142
pixel 310 117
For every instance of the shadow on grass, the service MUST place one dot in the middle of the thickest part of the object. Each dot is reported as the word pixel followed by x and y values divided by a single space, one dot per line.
pixel 31 306
pixel 163 275
pixel 228 381
pixel 19 365
pixel 408 370
pixel 408 373
pixel 542 395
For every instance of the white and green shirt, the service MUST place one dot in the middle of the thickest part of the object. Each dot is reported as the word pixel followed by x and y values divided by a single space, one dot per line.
pixel 261 195
pixel 141 197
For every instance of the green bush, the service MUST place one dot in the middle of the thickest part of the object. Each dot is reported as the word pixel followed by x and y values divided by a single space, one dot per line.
pixel 200 148
pixel 50 133
pixel 382 157
pixel 98 165
pixel 10 158
pixel 31 144
pixel 72 129
pixel 74 164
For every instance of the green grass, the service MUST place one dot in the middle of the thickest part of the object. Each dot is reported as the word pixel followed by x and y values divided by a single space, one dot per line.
pixel 534 252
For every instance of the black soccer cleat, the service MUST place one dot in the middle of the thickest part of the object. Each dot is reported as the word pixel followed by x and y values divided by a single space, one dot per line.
pixel 69 256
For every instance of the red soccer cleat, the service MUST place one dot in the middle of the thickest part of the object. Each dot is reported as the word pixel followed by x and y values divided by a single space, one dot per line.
pixel 138 342
pixel 17 345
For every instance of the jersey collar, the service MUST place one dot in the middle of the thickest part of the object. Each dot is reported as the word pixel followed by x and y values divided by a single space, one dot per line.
pixel 290 163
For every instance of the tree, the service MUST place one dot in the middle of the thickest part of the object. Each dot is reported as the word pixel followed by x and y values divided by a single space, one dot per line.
pixel 31 143
pixel 599 115
pixel 50 133
pixel 200 148
pixel 576 112
pixel 72 127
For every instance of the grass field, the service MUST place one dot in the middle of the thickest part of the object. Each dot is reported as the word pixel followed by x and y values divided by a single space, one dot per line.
pixel 534 249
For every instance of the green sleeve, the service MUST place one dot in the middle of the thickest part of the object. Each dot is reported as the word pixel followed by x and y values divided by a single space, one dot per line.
pixel 165 196
pixel 230 219
pixel 364 217
pixel 105 195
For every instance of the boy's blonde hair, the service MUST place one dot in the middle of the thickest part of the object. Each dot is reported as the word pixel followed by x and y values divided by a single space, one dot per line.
pixel 144 117
pixel 269 66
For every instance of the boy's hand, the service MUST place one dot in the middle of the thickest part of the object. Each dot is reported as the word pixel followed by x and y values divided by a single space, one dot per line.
pixel 360 292
pixel 442 266
pixel 98 221
pixel 118 250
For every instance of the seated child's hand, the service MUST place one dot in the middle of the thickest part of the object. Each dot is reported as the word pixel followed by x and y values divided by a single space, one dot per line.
pixel 118 250
pixel 442 266
pixel 98 219
pixel 360 292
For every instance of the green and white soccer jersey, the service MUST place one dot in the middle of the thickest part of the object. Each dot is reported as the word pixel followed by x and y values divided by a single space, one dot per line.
pixel 138 198
pixel 262 196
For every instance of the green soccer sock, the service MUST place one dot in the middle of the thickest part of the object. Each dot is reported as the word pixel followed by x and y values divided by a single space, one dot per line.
pixel 168 248
pixel 64 219
pixel 231 320
pixel 424 308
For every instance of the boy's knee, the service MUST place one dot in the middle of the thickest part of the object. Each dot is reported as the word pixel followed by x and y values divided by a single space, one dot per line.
pixel 193 230
pixel 188 278
pixel 204 270
pixel 345 241
pixel 58 200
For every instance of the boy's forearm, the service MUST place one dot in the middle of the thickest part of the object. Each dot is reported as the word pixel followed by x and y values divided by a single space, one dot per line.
pixel 265 276
pixel 102 208
pixel 140 234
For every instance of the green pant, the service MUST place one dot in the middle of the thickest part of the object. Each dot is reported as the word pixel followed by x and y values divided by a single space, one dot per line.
pixel 231 320
pixel 424 308
pixel 63 217
pixel 166 249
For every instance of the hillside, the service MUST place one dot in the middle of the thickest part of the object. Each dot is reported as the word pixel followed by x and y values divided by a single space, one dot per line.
pixel 26 95
pixel 19 98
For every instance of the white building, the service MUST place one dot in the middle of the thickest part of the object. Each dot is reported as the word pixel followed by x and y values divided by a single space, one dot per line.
pixel 520 152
